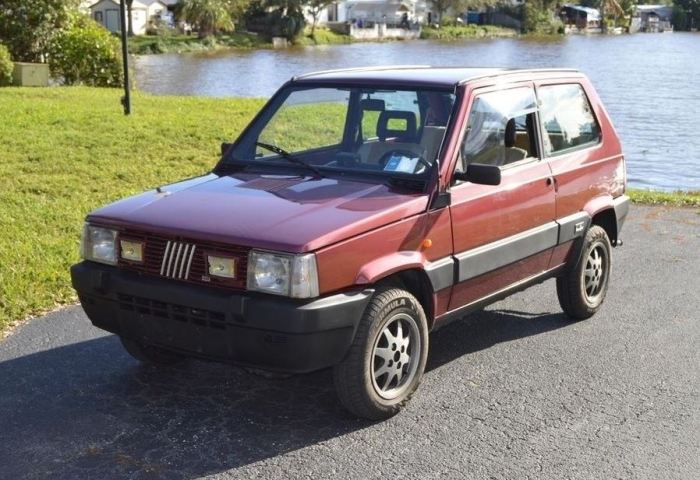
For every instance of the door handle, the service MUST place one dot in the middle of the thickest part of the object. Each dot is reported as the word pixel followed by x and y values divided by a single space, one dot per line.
pixel 549 181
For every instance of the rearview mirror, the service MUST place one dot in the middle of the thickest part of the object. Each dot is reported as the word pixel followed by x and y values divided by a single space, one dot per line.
pixel 481 174
pixel 224 148
pixel 372 105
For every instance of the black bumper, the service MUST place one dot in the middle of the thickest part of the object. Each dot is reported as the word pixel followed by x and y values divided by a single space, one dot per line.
pixel 263 331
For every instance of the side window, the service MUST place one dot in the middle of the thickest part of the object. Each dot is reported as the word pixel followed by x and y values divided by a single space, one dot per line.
pixel 567 118
pixel 500 128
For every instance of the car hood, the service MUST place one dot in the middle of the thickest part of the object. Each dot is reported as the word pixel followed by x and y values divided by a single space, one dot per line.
pixel 288 213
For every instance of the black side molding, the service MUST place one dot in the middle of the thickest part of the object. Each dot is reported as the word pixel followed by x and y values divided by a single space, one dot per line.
pixel 573 226
pixel 441 273
pixel 491 256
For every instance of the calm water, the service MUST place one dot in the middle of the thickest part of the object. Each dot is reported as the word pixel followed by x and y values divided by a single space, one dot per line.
pixel 650 83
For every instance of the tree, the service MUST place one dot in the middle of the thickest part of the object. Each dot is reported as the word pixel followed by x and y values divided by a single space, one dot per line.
pixel 440 7
pixel 28 27
pixel 315 8
pixel 208 16
pixel 611 6
pixel 687 14
pixel 539 17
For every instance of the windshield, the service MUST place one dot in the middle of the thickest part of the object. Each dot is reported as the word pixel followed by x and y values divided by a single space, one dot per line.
pixel 321 129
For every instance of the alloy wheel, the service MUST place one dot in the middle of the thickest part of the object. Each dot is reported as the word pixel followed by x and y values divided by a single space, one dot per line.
pixel 395 356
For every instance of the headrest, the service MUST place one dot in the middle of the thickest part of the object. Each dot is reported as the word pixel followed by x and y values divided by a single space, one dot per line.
pixel 406 135
pixel 510 134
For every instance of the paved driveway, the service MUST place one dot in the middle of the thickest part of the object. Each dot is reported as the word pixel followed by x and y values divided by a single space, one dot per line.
pixel 513 392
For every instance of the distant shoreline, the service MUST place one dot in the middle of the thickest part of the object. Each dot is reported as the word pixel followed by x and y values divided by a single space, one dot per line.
pixel 159 44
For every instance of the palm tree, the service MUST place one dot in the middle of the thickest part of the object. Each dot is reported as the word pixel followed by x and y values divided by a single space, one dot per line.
pixel 208 16
pixel 609 6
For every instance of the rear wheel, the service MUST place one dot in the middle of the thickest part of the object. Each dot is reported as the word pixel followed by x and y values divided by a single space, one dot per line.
pixel 582 288
pixel 386 361
pixel 150 354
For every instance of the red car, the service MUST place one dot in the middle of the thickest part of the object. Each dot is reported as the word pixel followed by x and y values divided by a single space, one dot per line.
pixel 358 211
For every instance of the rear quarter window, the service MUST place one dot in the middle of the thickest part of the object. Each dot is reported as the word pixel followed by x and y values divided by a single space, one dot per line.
pixel 568 121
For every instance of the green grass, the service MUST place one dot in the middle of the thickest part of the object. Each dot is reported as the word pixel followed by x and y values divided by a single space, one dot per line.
pixel 675 199
pixel 463 32
pixel 323 36
pixel 66 151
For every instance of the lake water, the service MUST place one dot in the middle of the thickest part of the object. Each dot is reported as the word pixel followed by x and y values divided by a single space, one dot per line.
pixel 650 83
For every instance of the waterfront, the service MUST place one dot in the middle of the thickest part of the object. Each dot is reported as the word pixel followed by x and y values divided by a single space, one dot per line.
pixel 648 82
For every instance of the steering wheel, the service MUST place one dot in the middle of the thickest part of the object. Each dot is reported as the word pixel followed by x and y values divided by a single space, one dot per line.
pixel 404 153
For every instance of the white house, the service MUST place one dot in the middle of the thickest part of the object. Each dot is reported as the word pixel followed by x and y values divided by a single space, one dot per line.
pixel 158 9
pixel 106 12
pixel 380 11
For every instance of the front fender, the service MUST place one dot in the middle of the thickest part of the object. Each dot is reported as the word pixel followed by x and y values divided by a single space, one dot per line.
pixel 382 267
pixel 440 273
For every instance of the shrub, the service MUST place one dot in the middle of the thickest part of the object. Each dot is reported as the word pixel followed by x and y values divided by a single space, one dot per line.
pixel 6 66
pixel 539 20
pixel 87 54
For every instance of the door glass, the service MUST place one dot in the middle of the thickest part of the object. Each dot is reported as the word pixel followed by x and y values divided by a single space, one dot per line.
pixel 500 129
pixel 567 118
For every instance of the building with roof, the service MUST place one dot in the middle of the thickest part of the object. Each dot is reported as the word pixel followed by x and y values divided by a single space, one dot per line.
pixel 578 19
pixel 652 18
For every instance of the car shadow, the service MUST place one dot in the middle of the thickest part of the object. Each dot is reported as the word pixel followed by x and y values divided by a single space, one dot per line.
pixel 87 410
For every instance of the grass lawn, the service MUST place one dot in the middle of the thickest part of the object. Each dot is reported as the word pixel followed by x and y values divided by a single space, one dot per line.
pixel 675 199
pixel 462 32
pixel 66 151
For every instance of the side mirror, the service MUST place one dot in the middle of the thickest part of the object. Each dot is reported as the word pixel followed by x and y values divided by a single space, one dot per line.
pixel 481 174
pixel 224 148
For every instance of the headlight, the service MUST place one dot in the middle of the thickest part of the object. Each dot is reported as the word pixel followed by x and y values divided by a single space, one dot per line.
pixel 131 250
pixel 99 244
pixel 222 266
pixel 283 274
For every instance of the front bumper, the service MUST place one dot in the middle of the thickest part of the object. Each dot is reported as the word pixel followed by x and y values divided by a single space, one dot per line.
pixel 262 331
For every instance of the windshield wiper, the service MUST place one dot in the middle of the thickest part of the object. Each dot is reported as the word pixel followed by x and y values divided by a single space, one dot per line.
pixel 285 154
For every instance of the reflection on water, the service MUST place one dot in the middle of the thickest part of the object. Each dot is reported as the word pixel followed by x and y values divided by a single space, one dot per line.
pixel 648 82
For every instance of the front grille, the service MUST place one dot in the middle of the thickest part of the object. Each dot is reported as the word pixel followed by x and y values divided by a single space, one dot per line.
pixel 171 311
pixel 184 259
pixel 177 260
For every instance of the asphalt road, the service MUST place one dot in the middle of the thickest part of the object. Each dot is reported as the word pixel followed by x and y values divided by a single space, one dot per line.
pixel 513 392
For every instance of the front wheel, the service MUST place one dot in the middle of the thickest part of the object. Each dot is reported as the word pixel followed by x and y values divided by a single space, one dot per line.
pixel 385 363
pixel 582 288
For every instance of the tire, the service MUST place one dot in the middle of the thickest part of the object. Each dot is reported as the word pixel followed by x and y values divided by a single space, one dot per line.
pixel 582 287
pixel 150 354
pixel 387 358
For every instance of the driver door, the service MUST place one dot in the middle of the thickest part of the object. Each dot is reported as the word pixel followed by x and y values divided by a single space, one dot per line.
pixel 502 234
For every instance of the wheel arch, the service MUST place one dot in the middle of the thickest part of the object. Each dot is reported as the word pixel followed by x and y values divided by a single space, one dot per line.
pixel 607 220
pixel 416 282
pixel 609 214
pixel 405 270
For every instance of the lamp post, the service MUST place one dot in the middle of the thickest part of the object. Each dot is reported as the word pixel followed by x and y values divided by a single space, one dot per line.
pixel 126 99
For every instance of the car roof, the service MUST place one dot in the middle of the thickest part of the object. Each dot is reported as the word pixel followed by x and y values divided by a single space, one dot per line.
pixel 416 75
